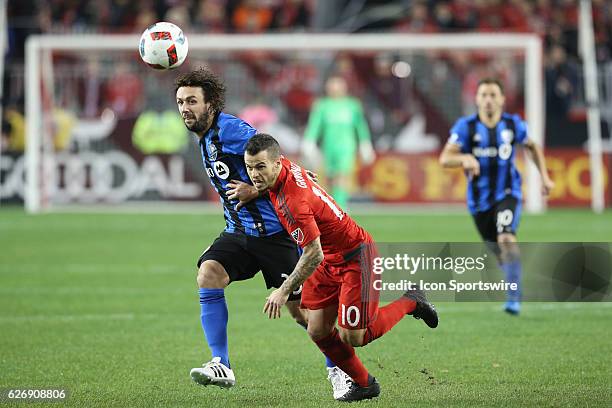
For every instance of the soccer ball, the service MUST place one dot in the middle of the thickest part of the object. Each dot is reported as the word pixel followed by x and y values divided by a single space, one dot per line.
pixel 163 46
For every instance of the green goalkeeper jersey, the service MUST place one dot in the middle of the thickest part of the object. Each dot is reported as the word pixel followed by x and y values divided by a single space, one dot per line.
pixel 337 120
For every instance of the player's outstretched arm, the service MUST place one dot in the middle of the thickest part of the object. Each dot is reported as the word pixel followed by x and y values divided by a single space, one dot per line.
pixel 451 156
pixel 308 262
pixel 536 154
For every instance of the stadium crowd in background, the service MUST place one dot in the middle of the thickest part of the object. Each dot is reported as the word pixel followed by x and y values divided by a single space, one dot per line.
pixel 556 21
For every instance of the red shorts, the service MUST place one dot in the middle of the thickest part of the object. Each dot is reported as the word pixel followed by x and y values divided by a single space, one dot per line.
pixel 349 286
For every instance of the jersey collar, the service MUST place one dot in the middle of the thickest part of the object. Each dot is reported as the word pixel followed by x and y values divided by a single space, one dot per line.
pixel 484 124
pixel 211 129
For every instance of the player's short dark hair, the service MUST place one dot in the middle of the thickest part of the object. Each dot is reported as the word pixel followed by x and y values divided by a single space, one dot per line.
pixel 212 86
pixel 491 81
pixel 261 142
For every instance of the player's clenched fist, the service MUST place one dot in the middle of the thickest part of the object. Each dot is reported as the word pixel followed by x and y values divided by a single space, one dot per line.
pixel 274 303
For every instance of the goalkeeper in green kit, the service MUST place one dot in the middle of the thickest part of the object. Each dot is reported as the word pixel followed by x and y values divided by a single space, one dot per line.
pixel 338 118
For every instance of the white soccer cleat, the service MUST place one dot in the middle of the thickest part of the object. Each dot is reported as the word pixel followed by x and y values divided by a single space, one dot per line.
pixel 340 381
pixel 213 373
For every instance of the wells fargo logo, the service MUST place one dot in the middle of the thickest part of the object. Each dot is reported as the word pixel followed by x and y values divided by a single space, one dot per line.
pixel 420 178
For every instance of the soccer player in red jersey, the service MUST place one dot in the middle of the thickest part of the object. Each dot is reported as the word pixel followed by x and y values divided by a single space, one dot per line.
pixel 335 267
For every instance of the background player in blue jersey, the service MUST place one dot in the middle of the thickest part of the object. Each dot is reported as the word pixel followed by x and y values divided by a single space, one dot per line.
pixel 253 238
pixel 484 145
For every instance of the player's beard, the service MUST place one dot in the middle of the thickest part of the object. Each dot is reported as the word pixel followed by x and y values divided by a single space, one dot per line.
pixel 201 123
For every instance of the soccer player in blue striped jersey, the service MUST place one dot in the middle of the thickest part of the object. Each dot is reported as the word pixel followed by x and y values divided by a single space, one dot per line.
pixel 484 145
pixel 253 238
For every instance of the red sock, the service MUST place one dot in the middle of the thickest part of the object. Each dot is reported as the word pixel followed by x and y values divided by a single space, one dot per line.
pixel 387 317
pixel 343 355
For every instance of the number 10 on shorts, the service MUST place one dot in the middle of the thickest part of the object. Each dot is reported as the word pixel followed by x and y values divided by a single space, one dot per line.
pixel 350 316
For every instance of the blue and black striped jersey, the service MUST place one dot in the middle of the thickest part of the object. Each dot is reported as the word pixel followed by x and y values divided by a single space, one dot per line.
pixel 222 149
pixel 494 148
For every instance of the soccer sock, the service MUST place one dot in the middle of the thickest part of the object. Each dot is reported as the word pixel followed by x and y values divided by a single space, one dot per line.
pixel 344 356
pixel 388 316
pixel 214 322
pixel 513 271
pixel 328 362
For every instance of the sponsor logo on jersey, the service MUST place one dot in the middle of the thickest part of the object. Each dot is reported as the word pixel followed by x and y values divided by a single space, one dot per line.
pixel 476 138
pixel 504 151
pixel 298 235
pixel 221 170
pixel 484 151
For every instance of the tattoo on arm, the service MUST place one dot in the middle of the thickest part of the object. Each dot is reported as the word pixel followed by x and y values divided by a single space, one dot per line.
pixel 308 262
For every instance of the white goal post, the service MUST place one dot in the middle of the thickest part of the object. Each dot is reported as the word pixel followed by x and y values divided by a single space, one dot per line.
pixel 530 44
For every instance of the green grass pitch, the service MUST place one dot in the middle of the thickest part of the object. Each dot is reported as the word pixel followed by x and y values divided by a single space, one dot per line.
pixel 105 305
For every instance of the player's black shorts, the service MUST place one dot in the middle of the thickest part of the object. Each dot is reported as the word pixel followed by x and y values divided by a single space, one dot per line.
pixel 503 217
pixel 243 256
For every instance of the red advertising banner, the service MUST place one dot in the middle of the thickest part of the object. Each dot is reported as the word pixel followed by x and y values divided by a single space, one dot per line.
pixel 419 178
pixel 113 176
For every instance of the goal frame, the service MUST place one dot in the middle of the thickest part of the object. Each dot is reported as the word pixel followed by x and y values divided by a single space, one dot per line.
pixel 530 44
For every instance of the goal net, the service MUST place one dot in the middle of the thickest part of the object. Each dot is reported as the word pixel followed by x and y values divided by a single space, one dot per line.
pixel 103 128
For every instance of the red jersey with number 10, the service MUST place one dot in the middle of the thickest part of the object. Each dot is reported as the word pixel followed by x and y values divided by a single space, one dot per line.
pixel 306 211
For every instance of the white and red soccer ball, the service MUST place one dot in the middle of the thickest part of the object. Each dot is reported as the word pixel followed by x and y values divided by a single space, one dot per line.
pixel 163 46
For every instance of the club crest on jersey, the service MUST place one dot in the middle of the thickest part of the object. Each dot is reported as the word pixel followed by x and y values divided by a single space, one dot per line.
pixel 507 135
pixel 298 235
pixel 505 151
pixel 212 151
